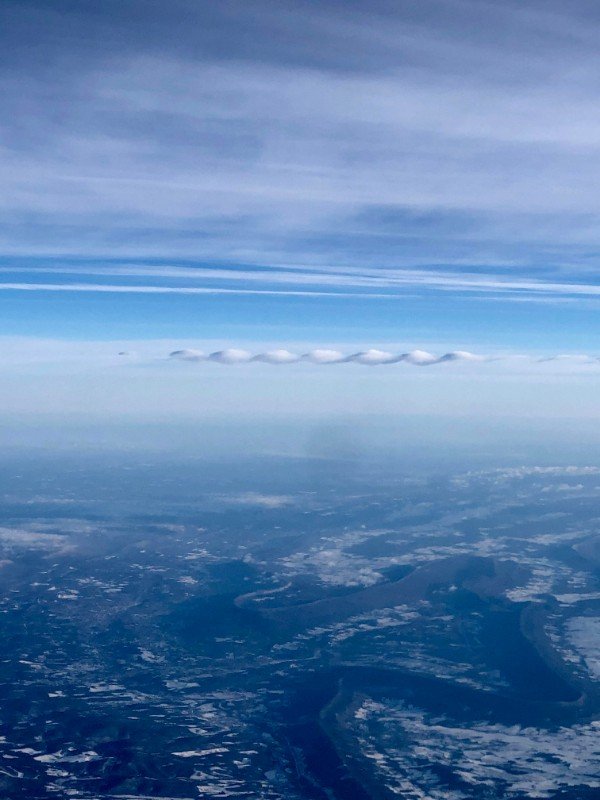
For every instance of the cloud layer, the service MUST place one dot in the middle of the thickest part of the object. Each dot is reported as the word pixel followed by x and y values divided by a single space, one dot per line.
pixel 263 133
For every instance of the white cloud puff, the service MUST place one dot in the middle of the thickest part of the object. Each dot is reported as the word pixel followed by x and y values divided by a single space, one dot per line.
pixel 277 357
pixel 324 357
pixel 419 358
pixel 373 357
pixel 233 355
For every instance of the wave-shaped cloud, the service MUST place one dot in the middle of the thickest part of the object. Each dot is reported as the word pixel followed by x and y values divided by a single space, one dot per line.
pixel 324 356
pixel 375 357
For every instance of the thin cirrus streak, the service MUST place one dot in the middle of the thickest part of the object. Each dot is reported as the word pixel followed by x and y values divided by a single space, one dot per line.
pixel 294 281
pixel 201 290
pixel 334 285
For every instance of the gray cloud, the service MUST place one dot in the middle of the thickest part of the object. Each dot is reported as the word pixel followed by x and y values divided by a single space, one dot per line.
pixel 572 358
pixel 188 355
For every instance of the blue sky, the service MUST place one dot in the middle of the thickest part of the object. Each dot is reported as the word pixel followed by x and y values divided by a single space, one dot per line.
pixel 299 175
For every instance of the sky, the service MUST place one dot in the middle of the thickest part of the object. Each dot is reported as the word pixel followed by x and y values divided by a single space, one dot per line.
pixel 285 179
